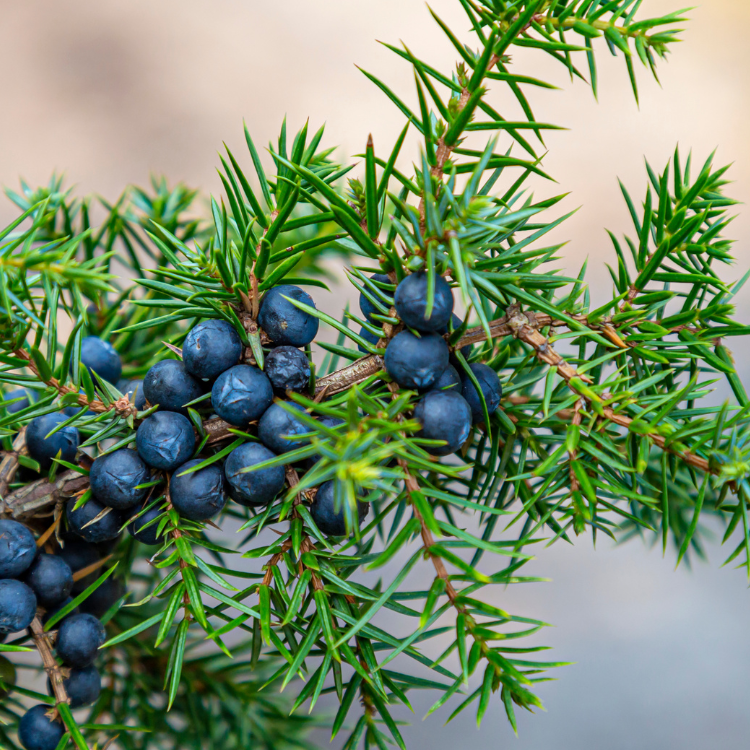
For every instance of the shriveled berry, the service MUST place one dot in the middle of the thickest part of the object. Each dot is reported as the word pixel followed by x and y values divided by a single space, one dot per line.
pixel 241 394
pixel 285 324
pixel 444 415
pixel 253 488
pixel 279 430
pixel 50 578
pixel 37 731
pixel 116 478
pixel 165 440
pixel 43 447
pixel 491 390
pixel 199 495
pixel 17 548
pixel 329 519
pixel 410 301
pixel 416 361
pixel 288 369
pixel 210 348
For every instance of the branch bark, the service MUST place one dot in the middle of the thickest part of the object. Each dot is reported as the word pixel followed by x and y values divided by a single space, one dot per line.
pixel 51 667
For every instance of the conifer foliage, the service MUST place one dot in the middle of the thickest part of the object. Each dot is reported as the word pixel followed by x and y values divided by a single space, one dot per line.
pixel 195 480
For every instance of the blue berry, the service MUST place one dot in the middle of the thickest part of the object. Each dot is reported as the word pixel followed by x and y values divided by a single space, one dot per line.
pixel 22 403
pixel 210 348
pixel 416 362
pixel 115 479
pixel 147 535
pixel 241 394
pixel 17 548
pixel 491 390
pixel 323 511
pixel 285 324
pixel 17 605
pixel 165 440
pixel 365 305
pixel 199 495
pixel 79 555
pixel 50 578
pixel 256 487
pixel 36 731
pixel 288 369
pixel 42 448
pixel 278 429
pixel 168 384
pixel 101 357
pixel 133 389
pixel 367 336
pixel 449 380
pixel 78 640
pixel 83 686
pixel 53 609
pixel 444 415
pixel 106 528
pixel 410 301
pixel 102 598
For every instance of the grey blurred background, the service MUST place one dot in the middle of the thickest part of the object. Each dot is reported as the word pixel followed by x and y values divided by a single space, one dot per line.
pixel 110 92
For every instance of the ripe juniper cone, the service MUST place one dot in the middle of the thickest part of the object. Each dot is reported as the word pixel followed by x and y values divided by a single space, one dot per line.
pixel 210 348
pixel 50 578
pixel 16 406
pixel 102 358
pixel 241 394
pixel 133 389
pixel 278 429
pixel 168 384
pixel 444 415
pixel 103 530
pixel 79 555
pixel 368 335
pixel 42 448
pixel 17 606
pixel 285 324
pixel 416 361
pixel 288 369
pixel 99 602
pixel 52 610
pixel 83 686
pixel 327 518
pixel 78 640
pixel 115 479
pixel 36 731
pixel 143 530
pixel 491 390
pixel 367 308
pixel 410 301
pixel 199 495
pixel 449 380
pixel 17 548
pixel 165 440
pixel 252 488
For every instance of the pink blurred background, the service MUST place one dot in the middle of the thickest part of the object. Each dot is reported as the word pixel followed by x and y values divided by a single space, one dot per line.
pixel 110 92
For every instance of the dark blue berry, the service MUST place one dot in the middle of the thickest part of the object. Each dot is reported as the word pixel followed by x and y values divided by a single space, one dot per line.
pixel 42 448
pixel 491 390
pixel 78 640
pixel 83 686
pixel 53 609
pixel 366 306
pixel 50 578
pixel 327 518
pixel 288 369
pixel 253 488
pixel 149 534
pixel 165 440
pixel 416 361
pixel 278 429
pixel 115 479
pixel 17 548
pixel 368 336
pixel 444 415
pixel 17 605
pixel 285 324
pixel 168 384
pixel 79 555
pixel 210 348
pixel 102 358
pixel 133 389
pixel 103 597
pixel 449 380
pixel 241 394
pixel 410 301
pixel 199 495
pixel 22 402
pixel 36 731
pixel 79 521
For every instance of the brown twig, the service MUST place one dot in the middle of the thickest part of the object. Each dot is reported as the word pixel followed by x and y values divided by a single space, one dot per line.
pixel 54 671
pixel 9 465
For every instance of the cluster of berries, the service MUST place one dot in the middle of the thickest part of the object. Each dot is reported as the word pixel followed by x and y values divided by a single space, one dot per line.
pixel 29 580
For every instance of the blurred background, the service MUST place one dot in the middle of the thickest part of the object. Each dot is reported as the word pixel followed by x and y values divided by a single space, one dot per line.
pixel 111 92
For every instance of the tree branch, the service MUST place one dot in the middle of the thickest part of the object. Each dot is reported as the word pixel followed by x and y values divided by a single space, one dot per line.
pixel 51 667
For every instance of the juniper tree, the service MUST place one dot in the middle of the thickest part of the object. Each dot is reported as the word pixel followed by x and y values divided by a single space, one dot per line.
pixel 603 426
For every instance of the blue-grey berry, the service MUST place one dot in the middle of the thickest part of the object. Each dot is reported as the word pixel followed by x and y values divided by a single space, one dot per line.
pixel 253 488
pixel 444 415
pixel 449 380
pixel 199 495
pixel 367 335
pixel 17 605
pixel 279 430
pixel 366 306
pixel 285 324
pixel 145 528
pixel 83 686
pixel 17 548
pixel 80 521
pixel 78 640
pixel 329 519
pixel 50 578
pixel 410 301
pixel 101 357
pixel 288 369
pixel 169 385
pixel 133 389
pixel 20 399
pixel 241 394
pixel 210 348
pixel 79 555
pixel 116 478
pixel 63 444
pixel 165 440
pixel 416 361
pixel 492 391
pixel 37 731
pixel 103 597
